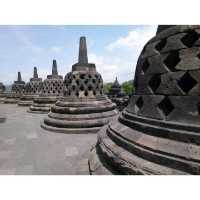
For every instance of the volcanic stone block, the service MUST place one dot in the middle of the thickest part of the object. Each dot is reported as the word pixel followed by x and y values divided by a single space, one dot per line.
pixel 83 108
pixel 31 90
pixel 51 91
pixel 158 133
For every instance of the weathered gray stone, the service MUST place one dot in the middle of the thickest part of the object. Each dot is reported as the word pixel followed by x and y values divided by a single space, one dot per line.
pixel 16 91
pixel 2 92
pixel 118 96
pixel 83 108
pixel 51 91
pixel 158 132
pixel 32 89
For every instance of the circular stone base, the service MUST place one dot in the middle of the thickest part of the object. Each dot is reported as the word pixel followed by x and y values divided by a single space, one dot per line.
pixel 42 105
pixel 26 100
pixel 137 145
pixel 39 110
pixel 11 101
pixel 25 103
pixel 79 116
pixel 2 100
pixel 2 119
pixel 70 130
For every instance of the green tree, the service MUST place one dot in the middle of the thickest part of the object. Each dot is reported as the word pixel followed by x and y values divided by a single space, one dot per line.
pixel 127 87
pixel 107 87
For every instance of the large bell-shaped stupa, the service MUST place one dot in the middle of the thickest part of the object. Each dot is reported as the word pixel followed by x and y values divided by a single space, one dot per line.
pixel 2 92
pixel 17 90
pixel 52 90
pixel 31 89
pixel 84 108
pixel 159 131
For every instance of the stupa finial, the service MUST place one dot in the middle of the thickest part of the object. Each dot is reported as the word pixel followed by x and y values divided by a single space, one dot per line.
pixel 54 68
pixel 83 58
pixel 19 77
pixel 35 74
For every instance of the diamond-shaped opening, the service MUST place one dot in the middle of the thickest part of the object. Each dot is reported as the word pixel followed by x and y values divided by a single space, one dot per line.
pixel 77 94
pixel 145 65
pixel 82 76
pixel 186 83
pixel 155 82
pixel 161 45
pixel 172 60
pixel 81 88
pixel 198 55
pixel 86 93
pixel 139 103
pixel 198 107
pixel 166 106
pixel 190 38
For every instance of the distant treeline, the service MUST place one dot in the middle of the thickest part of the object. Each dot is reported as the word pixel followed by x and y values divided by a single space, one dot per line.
pixel 127 87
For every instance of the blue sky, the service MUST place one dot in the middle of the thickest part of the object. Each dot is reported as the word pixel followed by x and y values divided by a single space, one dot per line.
pixel 114 49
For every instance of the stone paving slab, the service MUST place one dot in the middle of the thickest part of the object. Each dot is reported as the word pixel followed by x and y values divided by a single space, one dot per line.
pixel 25 148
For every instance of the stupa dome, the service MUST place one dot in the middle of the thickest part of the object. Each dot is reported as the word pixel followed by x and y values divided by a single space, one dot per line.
pixel 158 133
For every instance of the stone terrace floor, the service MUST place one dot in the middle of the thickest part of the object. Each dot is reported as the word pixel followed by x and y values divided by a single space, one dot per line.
pixel 25 148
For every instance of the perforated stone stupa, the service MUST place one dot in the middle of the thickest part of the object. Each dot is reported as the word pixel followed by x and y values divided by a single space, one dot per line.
pixel 2 92
pixel 31 90
pixel 2 98
pixel 16 90
pixel 84 108
pixel 159 131
pixel 115 89
pixel 52 90
pixel 118 96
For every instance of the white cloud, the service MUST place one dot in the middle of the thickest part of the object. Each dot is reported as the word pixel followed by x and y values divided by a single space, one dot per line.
pixel 107 69
pixel 56 49
pixel 122 56
pixel 122 64
pixel 135 39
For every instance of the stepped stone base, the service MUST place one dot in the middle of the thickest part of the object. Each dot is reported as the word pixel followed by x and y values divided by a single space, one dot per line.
pixel 27 100
pixel 2 97
pixel 42 104
pixel 80 116
pixel 2 119
pixel 11 99
pixel 152 147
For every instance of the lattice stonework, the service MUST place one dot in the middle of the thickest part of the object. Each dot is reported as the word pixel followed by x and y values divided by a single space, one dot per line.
pixel 169 65
pixel 52 87
pixel 33 87
pixel 18 88
pixel 83 84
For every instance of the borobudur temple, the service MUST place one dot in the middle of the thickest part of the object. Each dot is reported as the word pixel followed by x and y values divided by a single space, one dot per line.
pixel 84 108
pixel 17 90
pixel 52 90
pixel 158 133
pixel 31 90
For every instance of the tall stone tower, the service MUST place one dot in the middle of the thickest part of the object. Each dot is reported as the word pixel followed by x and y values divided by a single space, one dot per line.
pixel 31 90
pixel 16 90
pixel 84 108
pixel 52 90
pixel 158 133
